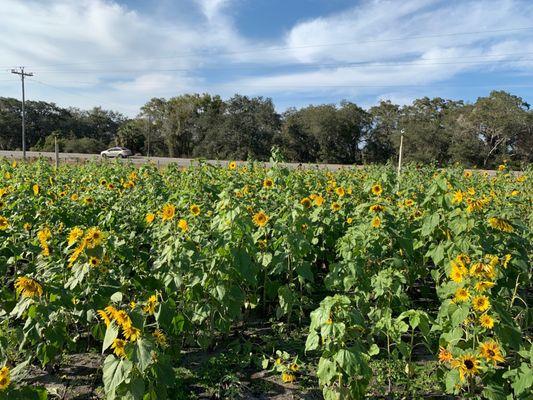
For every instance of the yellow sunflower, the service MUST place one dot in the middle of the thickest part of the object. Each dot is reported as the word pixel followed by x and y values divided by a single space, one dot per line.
pixel 340 191
pixel 377 189
pixel 232 165
pixel 183 225
pixel 195 210
pixel 467 364
pixel 287 377
pixel 131 333
pixel 28 287
pixel 500 224
pixel 335 206
pixel 377 208
pixel 5 378
pixel 319 200
pixel 260 219
pixel 149 218
pixel 486 321
pixel 151 304
pixel 481 303
pixel 4 223
pixel 306 202
pixel 268 183
pixel 461 295
pixel 491 352
pixel 119 347
pixel 168 212
pixel 444 355
pixel 376 222
pixel 74 234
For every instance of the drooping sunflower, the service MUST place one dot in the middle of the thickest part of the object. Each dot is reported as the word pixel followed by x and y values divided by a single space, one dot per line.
pixel 195 210
pixel 500 224
pixel 467 364
pixel 74 234
pixel 151 304
pixel 183 225
pixel 168 212
pixel 306 202
pixel 491 351
pixel 335 206
pixel 444 355
pixel 122 318
pixel 5 378
pixel 377 189
pixel 506 259
pixel 160 338
pixel 376 208
pixel 457 272
pixel 104 317
pixel 461 295
pixel 119 347
pixel 287 377
pixel 93 237
pixel 36 189
pixel 486 321
pixel 28 287
pixel 376 222
pixel 481 303
pixel 131 333
pixel 319 200
pixel 260 219
pixel 4 223
pixel 482 286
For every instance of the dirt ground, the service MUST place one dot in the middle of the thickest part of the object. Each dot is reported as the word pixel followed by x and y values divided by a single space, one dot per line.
pixel 79 378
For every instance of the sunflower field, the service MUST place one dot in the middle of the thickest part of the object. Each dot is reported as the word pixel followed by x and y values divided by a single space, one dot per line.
pixel 382 276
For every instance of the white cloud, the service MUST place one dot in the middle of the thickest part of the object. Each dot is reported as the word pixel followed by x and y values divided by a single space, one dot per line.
pixel 91 50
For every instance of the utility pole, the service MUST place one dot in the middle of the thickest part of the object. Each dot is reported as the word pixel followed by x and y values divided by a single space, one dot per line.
pixel 400 158
pixel 22 76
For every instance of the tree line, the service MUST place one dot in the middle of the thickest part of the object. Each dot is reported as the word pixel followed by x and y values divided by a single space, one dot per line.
pixel 484 133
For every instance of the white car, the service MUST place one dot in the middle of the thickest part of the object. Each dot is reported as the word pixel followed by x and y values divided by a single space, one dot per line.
pixel 121 152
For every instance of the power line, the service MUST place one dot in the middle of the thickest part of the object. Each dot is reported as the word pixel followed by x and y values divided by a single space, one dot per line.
pixel 360 64
pixel 283 48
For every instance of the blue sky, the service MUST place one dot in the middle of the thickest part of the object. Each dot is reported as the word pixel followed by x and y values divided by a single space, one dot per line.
pixel 120 53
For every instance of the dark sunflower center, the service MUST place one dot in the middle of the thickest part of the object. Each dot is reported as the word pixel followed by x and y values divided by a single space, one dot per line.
pixel 491 353
pixel 469 364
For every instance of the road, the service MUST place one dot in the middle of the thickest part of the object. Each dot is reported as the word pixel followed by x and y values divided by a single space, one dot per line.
pixel 159 161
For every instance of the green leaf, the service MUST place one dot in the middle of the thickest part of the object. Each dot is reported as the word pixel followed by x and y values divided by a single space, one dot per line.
pixel 111 334
pixel 115 371
pixel 326 370
pixel 142 353
pixel 313 341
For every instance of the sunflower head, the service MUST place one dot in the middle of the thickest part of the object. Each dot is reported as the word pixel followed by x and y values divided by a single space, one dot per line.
pixel 481 303
pixel 260 219
pixel 467 364
pixel 5 378
pixel 168 212
pixel 486 321
pixel 377 189
pixel 306 202
pixel 149 218
pixel 268 183
pixel 376 222
pixel 195 210
pixel 491 351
